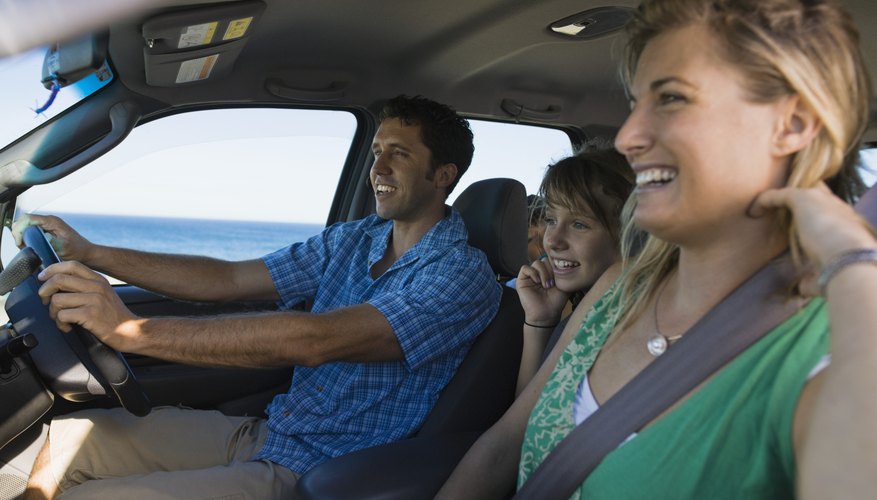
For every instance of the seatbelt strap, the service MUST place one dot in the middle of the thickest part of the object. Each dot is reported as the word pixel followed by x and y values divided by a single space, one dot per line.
pixel 756 307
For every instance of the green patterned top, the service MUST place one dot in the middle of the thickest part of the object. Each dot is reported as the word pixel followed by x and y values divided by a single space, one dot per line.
pixel 731 439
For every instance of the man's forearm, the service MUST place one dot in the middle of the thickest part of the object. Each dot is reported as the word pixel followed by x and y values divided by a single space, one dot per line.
pixel 260 340
pixel 178 276
pixel 257 341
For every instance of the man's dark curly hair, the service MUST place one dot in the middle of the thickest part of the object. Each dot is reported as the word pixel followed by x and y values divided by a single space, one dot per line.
pixel 442 130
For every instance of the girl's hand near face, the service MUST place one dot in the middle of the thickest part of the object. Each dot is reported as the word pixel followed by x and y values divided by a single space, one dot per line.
pixel 543 305
pixel 542 302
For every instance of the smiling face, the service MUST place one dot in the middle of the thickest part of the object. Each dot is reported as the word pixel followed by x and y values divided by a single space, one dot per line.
pixel 701 150
pixel 407 188
pixel 578 246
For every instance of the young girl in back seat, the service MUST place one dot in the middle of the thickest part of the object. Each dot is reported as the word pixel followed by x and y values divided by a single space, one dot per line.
pixel 584 195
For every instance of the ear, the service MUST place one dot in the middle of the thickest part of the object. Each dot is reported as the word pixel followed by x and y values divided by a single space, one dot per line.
pixel 445 175
pixel 796 129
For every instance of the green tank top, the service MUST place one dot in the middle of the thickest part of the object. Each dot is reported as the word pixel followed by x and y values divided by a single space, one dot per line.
pixel 730 439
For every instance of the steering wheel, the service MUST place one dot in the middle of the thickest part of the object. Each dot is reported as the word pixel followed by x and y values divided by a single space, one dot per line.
pixel 76 365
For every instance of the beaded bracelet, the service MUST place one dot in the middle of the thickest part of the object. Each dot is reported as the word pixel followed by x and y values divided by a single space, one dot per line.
pixel 843 260
pixel 540 326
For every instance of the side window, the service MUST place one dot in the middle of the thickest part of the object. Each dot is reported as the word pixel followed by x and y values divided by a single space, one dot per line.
pixel 512 150
pixel 868 164
pixel 228 183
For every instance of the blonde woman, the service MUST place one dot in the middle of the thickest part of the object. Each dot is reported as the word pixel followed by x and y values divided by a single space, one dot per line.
pixel 745 120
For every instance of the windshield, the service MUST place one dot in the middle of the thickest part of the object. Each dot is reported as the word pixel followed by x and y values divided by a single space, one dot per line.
pixel 23 93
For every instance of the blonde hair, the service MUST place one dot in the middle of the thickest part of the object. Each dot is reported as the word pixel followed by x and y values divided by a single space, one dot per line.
pixel 782 47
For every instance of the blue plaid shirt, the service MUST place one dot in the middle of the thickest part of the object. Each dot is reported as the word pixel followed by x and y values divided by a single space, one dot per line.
pixel 437 297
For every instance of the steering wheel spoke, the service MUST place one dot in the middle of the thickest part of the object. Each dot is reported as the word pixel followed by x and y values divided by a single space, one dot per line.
pixel 76 366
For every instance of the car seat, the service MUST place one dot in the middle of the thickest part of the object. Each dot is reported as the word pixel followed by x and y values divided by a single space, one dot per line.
pixel 495 213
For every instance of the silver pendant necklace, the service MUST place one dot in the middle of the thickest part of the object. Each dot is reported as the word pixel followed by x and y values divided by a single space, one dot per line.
pixel 658 342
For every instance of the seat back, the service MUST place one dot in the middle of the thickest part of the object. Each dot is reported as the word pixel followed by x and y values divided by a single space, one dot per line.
pixel 495 213
pixel 484 386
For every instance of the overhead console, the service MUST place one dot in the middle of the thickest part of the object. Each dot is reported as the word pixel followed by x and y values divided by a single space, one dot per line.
pixel 193 46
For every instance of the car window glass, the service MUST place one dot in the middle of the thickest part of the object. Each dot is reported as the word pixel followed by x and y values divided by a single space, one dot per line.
pixel 513 150
pixel 238 183
pixel 868 165
pixel 24 93
pixel 232 183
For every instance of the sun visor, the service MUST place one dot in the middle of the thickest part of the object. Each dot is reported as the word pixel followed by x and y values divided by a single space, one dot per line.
pixel 197 45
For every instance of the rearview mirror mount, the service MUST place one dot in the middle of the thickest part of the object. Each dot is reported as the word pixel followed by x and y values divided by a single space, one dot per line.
pixel 68 62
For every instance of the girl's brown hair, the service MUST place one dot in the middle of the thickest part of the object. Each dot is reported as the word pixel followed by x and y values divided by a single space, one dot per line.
pixel 597 180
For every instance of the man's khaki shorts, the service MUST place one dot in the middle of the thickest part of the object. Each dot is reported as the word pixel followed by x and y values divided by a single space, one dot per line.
pixel 171 453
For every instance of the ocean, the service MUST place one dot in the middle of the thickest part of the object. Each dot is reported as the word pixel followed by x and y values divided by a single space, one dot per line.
pixel 222 239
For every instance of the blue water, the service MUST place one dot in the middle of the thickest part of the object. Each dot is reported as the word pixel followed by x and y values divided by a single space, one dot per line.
pixel 229 240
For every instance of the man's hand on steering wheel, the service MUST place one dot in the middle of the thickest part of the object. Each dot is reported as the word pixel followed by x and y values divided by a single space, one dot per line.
pixel 67 243
pixel 77 295
pixel 69 296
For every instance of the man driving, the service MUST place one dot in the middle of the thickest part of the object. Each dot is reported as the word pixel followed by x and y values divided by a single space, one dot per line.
pixel 398 297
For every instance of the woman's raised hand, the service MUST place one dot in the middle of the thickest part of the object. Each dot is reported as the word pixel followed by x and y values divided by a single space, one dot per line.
pixel 827 227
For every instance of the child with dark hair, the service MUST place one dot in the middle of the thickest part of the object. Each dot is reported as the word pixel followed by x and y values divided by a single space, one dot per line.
pixel 535 226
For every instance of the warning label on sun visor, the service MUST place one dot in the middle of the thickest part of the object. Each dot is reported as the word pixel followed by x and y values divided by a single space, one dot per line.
pixel 196 69
pixel 199 34
pixel 237 28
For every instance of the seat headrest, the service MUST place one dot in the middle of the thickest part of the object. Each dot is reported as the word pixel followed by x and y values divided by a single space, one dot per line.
pixel 495 213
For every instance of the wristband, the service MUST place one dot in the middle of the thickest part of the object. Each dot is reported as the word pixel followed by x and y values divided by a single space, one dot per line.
pixel 540 326
pixel 843 260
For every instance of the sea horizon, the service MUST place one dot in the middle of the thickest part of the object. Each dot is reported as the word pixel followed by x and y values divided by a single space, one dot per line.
pixel 218 238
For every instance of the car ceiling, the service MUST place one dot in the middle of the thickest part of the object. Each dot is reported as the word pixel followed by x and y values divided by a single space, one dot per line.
pixel 471 54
